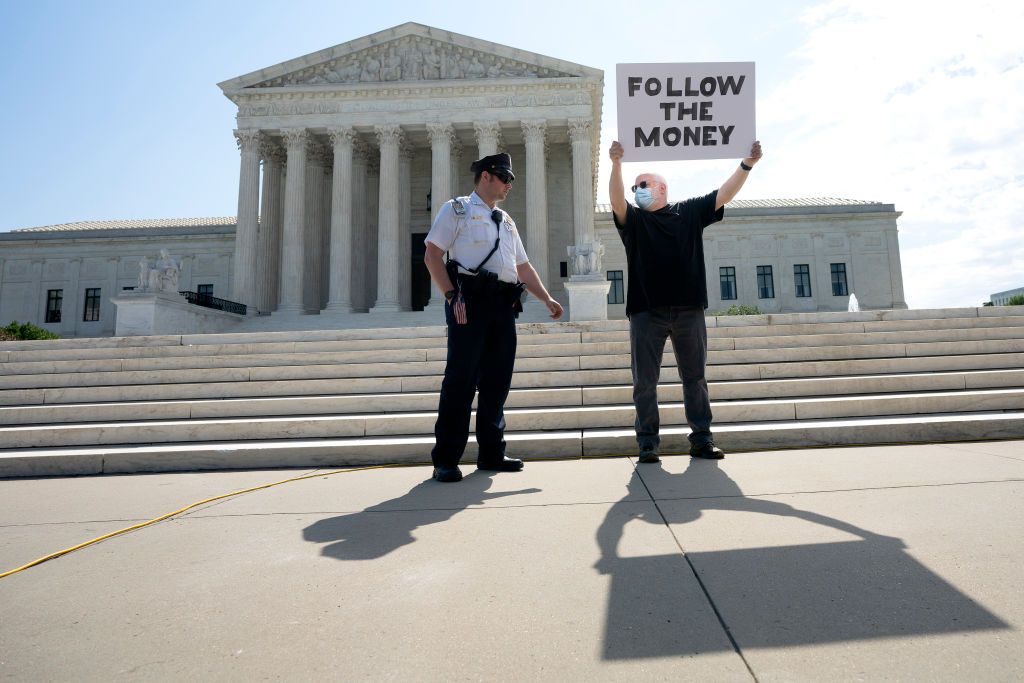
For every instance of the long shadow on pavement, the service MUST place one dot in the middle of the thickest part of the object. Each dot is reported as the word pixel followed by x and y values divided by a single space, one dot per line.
pixel 365 536
pixel 769 596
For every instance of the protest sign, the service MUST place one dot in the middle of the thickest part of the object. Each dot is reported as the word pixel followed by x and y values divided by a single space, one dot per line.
pixel 685 111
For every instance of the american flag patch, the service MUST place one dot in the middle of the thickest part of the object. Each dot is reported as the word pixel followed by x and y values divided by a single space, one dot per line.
pixel 459 309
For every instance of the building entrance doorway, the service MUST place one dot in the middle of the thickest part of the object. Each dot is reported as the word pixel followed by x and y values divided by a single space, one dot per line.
pixel 420 275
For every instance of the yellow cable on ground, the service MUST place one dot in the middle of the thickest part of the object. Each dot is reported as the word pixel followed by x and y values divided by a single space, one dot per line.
pixel 189 507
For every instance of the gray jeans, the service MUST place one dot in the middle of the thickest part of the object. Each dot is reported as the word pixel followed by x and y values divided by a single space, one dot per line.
pixel 647 334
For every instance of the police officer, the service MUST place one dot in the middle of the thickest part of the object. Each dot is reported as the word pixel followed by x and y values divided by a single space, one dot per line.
pixel 482 280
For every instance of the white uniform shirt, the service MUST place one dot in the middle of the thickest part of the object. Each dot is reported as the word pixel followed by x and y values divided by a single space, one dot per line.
pixel 470 237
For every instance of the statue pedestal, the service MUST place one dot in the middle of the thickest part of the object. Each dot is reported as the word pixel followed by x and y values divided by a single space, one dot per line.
pixel 588 297
pixel 151 313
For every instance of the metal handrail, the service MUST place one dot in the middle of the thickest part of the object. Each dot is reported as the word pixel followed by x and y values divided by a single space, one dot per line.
pixel 208 301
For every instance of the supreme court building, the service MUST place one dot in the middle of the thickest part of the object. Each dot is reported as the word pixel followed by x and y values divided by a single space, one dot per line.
pixel 347 154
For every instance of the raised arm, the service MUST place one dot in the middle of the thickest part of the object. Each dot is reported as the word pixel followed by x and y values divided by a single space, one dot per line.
pixel 731 187
pixel 616 191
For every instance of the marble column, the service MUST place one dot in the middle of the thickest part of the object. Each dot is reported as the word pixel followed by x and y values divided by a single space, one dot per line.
pixel 340 299
pixel 389 137
pixel 535 235
pixel 406 154
pixel 243 288
pixel 372 227
pixel 441 137
pixel 293 246
pixel 316 162
pixel 327 182
pixel 268 242
pixel 360 226
pixel 108 312
pixel 487 135
pixel 457 170
pixel 582 181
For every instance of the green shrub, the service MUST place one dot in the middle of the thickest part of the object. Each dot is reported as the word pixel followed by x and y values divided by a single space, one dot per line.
pixel 742 309
pixel 1015 300
pixel 18 330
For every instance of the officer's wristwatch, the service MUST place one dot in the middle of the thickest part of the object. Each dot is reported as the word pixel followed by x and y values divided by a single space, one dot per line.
pixel 449 295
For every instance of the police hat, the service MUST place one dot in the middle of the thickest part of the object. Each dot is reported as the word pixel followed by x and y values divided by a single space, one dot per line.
pixel 496 163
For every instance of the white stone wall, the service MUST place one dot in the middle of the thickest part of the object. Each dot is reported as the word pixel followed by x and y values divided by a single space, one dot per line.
pixel 862 240
pixel 31 267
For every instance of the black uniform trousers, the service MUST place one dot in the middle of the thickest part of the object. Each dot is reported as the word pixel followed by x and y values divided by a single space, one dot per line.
pixel 481 356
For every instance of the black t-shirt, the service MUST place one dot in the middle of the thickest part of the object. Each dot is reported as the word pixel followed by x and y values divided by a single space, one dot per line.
pixel 665 253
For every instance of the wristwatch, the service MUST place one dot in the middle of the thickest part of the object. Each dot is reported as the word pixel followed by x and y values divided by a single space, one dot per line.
pixel 745 167
pixel 449 295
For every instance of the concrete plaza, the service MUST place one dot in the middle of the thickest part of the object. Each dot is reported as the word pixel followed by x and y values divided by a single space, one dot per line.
pixel 873 563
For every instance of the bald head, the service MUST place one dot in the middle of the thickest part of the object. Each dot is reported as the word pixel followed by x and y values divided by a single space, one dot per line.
pixel 657 185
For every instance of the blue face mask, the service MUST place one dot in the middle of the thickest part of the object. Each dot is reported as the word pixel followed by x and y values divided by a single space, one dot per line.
pixel 644 197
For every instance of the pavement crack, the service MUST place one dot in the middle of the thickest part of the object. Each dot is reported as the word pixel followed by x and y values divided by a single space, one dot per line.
pixel 707 594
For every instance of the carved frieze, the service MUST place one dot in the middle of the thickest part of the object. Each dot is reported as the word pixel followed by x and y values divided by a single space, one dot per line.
pixel 411 58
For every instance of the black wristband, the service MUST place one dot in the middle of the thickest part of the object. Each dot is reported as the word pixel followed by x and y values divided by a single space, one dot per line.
pixel 745 167
pixel 449 295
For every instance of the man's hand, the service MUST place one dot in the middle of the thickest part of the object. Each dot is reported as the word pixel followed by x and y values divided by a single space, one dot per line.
pixel 755 154
pixel 555 308
pixel 616 152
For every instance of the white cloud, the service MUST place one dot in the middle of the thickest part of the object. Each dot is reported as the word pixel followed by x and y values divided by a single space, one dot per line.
pixel 911 103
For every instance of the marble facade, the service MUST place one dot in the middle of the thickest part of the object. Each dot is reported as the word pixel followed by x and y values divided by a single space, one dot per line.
pixel 347 153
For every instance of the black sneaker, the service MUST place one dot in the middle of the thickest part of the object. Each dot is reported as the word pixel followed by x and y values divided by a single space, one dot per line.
pixel 707 451
pixel 649 454
pixel 447 475
pixel 506 464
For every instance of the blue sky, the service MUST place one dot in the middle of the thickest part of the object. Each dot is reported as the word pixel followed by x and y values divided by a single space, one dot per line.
pixel 111 109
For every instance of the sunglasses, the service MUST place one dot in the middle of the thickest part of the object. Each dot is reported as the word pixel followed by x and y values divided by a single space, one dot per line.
pixel 503 177
pixel 642 186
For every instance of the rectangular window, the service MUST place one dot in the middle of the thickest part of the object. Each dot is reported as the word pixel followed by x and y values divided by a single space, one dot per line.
pixel 839 279
pixel 616 291
pixel 92 305
pixel 765 283
pixel 727 279
pixel 54 299
pixel 563 269
pixel 205 290
pixel 802 276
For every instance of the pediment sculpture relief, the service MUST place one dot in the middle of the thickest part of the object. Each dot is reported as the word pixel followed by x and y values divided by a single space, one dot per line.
pixel 412 59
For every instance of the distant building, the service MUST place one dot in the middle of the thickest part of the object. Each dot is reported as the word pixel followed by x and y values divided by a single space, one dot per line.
pixel 1001 298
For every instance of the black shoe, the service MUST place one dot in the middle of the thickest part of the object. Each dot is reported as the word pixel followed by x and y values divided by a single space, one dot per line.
pixel 447 475
pixel 506 464
pixel 708 451
pixel 649 454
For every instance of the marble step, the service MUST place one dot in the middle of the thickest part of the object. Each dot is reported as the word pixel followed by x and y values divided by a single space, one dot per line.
pixel 241 383
pixel 573 443
pixel 732 326
pixel 396 402
pixel 417 362
pixel 412 350
pixel 518 419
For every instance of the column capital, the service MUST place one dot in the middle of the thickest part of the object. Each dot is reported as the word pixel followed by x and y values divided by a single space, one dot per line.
pixel 441 133
pixel 341 136
pixel 406 149
pixel 534 130
pixel 271 151
pixel 488 133
pixel 317 153
pixel 248 139
pixel 388 135
pixel 579 129
pixel 295 137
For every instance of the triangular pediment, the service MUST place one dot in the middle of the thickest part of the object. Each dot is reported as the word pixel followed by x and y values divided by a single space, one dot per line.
pixel 409 53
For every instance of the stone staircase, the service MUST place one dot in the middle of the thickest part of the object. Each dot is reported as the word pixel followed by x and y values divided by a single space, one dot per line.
pixel 342 397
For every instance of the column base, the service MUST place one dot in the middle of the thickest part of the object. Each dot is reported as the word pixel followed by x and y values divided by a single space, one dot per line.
pixel 386 307
pixel 341 307
pixel 588 297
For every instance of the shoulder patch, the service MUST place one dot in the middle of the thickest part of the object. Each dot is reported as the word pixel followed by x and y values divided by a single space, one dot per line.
pixel 459 206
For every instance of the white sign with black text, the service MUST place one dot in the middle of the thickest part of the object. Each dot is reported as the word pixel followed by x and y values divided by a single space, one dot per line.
pixel 668 112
